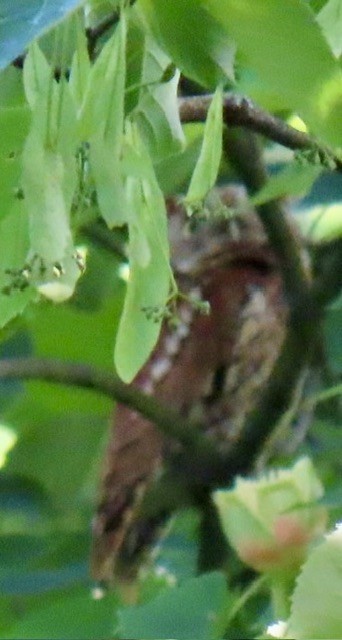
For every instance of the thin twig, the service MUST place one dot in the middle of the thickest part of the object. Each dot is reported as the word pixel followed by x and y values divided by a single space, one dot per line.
pixel 93 34
pixel 240 111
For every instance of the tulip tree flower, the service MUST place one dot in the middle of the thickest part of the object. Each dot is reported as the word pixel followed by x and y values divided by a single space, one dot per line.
pixel 272 520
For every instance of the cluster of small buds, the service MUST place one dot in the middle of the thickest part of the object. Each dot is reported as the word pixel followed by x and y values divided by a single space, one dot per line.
pixel 157 313
pixel 20 278
pixel 37 268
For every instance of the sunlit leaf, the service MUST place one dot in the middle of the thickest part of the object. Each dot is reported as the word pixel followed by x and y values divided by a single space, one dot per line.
pixel 288 56
pixel 149 279
pixel 22 21
pixel 208 163
pixel 157 112
pixel 315 611
pixel 323 222
pixel 107 105
pixel 330 19
pixel 80 68
pixel 49 180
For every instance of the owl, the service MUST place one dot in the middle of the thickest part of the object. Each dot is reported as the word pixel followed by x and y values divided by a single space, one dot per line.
pixel 210 367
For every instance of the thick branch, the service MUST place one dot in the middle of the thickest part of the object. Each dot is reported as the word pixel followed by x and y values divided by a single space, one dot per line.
pixel 244 153
pixel 242 112
pixel 107 383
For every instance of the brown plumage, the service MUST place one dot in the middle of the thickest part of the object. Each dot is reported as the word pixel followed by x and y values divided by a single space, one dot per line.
pixel 212 367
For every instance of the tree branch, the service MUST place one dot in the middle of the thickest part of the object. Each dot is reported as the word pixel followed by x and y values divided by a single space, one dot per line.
pixel 171 423
pixel 244 153
pixel 93 34
pixel 240 111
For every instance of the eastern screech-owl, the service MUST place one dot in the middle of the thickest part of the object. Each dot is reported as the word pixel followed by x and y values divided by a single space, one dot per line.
pixel 210 366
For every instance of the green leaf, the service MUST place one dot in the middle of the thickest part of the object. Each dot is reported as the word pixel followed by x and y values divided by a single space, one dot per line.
pixel 71 615
pixel 315 610
pixel 103 112
pixel 209 59
pixel 11 143
pixel 282 47
pixel 323 222
pixel 157 112
pixel 102 108
pixel 22 21
pixel 149 280
pixel 80 68
pixel 11 88
pixel 187 612
pixel 49 179
pixel 208 163
pixel 295 180
pixel 14 243
pixel 330 20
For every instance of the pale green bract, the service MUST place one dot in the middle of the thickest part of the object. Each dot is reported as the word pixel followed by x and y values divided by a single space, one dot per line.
pixel 49 180
pixel 106 100
pixel 149 279
pixel 208 163
pixel 157 112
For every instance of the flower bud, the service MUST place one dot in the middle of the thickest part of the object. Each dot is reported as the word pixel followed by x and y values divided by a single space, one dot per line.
pixel 270 521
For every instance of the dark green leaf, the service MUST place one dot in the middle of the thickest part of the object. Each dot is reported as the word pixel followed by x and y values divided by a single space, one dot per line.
pixel 194 40
pixel 295 180
pixel 71 616
pixel 187 612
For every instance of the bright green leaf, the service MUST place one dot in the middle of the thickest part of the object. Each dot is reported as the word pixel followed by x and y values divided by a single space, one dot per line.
pixel 295 180
pixel 102 108
pixel 22 21
pixel 149 279
pixel 49 180
pixel 157 112
pixel 194 40
pixel 187 612
pixel 315 610
pixel 107 105
pixel 323 222
pixel 208 163
pixel 14 243
pixel 80 68
pixel 330 20
pixel 283 49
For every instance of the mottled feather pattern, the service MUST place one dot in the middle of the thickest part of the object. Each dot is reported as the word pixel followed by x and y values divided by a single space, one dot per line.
pixel 211 367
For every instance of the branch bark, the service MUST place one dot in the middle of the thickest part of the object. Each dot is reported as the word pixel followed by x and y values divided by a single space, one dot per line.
pixel 240 111
pixel 170 422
